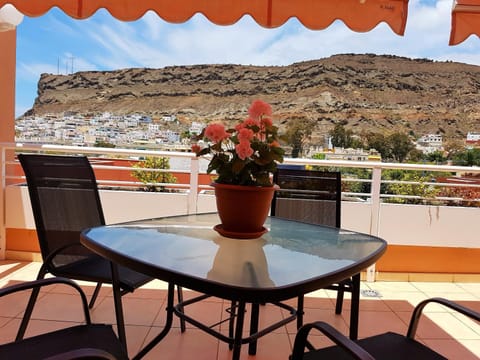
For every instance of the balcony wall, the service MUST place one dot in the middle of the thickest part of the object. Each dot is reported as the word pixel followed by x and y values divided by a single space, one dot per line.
pixel 422 239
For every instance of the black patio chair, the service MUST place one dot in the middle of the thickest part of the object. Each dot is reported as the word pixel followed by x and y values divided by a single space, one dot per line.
pixel 65 200
pixel 313 197
pixel 309 196
pixel 89 340
pixel 388 346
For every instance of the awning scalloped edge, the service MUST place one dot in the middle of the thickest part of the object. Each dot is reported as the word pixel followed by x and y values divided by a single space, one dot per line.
pixel 358 15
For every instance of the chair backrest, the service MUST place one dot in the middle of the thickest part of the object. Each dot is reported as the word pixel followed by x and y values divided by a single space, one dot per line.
pixel 307 195
pixel 65 200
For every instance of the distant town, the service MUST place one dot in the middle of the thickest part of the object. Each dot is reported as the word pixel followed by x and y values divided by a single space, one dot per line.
pixel 167 133
pixel 134 130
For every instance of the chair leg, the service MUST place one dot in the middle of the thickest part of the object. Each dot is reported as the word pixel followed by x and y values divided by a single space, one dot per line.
pixel 117 301
pixel 181 308
pixel 27 314
pixel 31 302
pixel 340 294
pixel 94 295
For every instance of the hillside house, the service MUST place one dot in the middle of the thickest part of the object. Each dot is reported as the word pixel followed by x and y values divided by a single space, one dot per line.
pixel 430 143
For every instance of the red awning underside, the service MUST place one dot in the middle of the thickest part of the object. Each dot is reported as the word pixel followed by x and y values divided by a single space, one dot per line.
pixel 358 15
pixel 465 20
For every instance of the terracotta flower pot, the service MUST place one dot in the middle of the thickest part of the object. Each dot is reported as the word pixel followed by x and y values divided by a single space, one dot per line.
pixel 243 209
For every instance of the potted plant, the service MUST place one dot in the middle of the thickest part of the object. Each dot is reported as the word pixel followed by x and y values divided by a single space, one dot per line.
pixel 244 159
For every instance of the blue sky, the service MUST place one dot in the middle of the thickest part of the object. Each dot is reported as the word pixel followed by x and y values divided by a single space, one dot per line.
pixel 55 43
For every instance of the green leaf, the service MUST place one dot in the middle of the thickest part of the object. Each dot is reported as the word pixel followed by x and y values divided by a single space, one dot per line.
pixel 238 165
pixel 204 151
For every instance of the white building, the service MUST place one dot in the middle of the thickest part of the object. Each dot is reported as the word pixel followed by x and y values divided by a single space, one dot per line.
pixel 153 128
pixel 169 118
pixel 473 137
pixel 168 136
pixel 196 127
pixel 430 143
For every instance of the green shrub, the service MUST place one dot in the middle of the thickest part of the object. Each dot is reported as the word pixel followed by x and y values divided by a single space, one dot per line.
pixel 415 185
pixel 151 178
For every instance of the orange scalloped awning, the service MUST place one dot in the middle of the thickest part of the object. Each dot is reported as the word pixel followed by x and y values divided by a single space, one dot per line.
pixel 465 20
pixel 358 15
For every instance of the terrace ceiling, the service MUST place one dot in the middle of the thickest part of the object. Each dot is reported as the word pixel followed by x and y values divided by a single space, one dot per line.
pixel 465 20
pixel 358 15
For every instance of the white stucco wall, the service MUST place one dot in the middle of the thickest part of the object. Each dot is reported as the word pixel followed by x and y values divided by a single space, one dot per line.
pixel 398 224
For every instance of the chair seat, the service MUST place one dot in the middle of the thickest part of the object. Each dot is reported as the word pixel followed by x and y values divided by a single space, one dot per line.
pixel 96 268
pixel 388 346
pixel 98 336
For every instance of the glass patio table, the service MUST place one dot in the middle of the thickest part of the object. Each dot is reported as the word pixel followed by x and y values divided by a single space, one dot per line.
pixel 288 261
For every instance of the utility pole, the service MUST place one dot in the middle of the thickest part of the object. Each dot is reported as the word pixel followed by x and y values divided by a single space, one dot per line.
pixel 71 68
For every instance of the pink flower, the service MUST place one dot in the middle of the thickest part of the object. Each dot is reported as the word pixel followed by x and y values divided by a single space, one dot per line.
pixel 245 153
pixel 267 121
pixel 216 132
pixel 245 134
pixel 196 148
pixel 249 122
pixel 258 109
pixel 243 149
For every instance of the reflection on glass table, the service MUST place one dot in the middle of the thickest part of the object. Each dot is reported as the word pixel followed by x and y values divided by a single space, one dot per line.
pixel 288 261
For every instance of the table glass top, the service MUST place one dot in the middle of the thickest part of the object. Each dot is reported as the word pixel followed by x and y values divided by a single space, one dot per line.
pixel 290 252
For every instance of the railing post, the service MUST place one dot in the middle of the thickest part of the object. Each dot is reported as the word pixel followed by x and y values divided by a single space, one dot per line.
pixel 375 211
pixel 193 194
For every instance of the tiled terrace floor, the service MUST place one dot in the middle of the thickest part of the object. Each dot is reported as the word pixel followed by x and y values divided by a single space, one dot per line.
pixel 451 334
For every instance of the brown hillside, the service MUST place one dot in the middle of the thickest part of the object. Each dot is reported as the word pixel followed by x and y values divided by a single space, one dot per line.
pixel 366 92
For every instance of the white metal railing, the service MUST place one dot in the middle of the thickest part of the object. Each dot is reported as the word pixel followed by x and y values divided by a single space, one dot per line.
pixel 194 167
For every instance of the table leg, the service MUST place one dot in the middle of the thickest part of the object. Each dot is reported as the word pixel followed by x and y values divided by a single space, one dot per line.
pixel 180 301
pixel 252 346
pixel 237 341
pixel 300 312
pixel 117 300
pixel 355 307
pixel 231 322
pixel 168 323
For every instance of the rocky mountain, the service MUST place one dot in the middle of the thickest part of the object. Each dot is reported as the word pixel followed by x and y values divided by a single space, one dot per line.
pixel 363 92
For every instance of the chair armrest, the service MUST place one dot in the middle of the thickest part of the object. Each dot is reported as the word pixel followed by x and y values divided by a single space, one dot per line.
pixel 339 339
pixel 47 262
pixel 37 284
pixel 28 285
pixel 412 328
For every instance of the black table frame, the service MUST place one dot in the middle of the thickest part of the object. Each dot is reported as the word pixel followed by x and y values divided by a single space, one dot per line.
pixel 239 295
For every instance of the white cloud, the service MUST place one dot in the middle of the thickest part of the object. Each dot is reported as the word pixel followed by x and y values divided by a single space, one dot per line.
pixel 55 24
pixel 462 57
pixel 151 42
pixel 153 26
pixel 77 63
pixel 31 72
pixel 204 42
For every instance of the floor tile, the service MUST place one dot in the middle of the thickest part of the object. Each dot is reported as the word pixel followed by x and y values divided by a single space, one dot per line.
pixel 452 349
pixel 192 344
pixel 387 308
